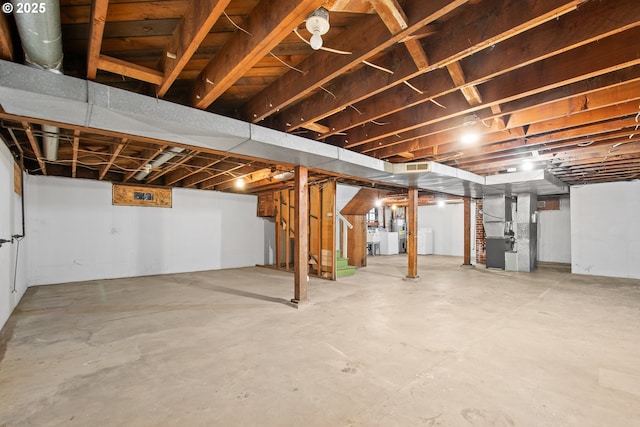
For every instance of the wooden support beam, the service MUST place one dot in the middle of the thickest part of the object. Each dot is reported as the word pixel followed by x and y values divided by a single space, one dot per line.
pixel 470 92
pixel 365 39
pixel 412 234
pixel 196 23
pixel 35 147
pixel 248 178
pixel 467 231
pixel 115 151
pixel 6 43
pixel 560 70
pixel 124 68
pixel 301 238
pixel 483 64
pixel 396 21
pixel 74 158
pixel 96 30
pixel 266 26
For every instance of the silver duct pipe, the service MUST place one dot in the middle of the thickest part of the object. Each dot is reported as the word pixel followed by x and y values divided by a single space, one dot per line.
pixel 158 161
pixel 41 38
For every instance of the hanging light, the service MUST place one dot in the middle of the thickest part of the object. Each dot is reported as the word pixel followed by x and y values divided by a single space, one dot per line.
pixel 378 203
pixel 317 24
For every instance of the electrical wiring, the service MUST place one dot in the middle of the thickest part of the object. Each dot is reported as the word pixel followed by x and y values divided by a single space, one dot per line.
pixel 290 66
pixel 328 49
pixel 236 25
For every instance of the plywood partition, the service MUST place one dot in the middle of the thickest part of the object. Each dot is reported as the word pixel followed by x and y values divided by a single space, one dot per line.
pixel 357 240
pixel 320 229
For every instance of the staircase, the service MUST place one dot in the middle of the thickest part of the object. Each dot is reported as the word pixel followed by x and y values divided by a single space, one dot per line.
pixel 343 267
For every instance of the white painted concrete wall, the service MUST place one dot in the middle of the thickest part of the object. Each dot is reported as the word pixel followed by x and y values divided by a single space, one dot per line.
pixel 605 229
pixel 10 224
pixel 447 223
pixel 554 234
pixel 77 234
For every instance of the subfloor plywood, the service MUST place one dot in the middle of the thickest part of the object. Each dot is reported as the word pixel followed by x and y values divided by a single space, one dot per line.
pixel 460 347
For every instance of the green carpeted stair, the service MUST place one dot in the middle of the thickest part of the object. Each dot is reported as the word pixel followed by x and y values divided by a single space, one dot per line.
pixel 343 267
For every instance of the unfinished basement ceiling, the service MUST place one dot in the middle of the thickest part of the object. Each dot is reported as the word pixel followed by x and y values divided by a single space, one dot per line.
pixel 556 83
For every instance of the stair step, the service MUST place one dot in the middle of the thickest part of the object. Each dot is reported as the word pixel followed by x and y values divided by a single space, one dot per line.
pixel 342 262
pixel 346 271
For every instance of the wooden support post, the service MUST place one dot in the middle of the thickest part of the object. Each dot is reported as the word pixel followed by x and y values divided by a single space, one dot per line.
pixel 412 234
pixel 467 231
pixel 301 265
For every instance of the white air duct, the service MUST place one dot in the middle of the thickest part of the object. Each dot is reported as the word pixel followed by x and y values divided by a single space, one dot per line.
pixel 41 38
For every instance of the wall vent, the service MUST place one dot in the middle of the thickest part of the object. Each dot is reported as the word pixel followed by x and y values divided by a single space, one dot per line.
pixel 415 167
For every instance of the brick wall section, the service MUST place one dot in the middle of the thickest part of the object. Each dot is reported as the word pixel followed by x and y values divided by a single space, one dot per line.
pixel 481 241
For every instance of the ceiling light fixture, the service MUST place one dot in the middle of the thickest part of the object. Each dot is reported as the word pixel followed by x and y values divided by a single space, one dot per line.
pixel 317 24
pixel 378 203
pixel 527 165
pixel 441 203
pixel 470 136
pixel 239 183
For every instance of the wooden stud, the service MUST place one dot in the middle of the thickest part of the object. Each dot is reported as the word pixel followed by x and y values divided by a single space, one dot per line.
pixel 114 155
pixel 74 158
pixel 301 239
pixel 412 234
pixel 35 147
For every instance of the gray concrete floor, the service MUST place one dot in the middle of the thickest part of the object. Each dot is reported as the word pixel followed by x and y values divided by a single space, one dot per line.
pixel 463 347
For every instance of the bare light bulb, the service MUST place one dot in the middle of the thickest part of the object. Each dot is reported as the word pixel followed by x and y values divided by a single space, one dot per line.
pixel 470 138
pixel 239 183
pixel 441 203
pixel 316 41
pixel 527 165
pixel 317 24
pixel 378 203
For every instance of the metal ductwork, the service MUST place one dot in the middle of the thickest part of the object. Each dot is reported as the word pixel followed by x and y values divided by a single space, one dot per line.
pixel 41 38
pixel 158 161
